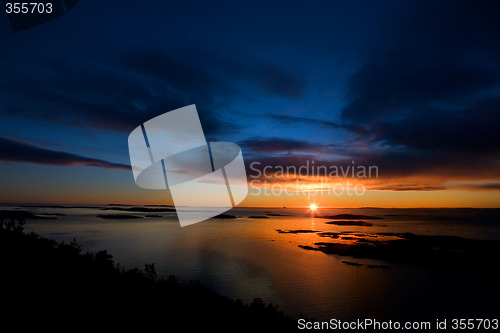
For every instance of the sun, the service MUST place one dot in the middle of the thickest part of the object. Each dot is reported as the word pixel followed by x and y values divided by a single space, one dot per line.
pixel 313 207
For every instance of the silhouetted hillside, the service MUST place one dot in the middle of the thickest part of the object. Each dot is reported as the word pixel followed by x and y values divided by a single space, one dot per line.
pixel 50 284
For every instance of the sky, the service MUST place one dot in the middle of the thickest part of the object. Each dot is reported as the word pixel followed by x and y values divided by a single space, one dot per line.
pixel 411 88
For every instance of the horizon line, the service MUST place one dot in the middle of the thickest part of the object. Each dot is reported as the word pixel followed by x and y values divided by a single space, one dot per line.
pixel 281 207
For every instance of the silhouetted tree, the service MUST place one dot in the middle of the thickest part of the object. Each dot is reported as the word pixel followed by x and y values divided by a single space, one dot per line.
pixel 150 272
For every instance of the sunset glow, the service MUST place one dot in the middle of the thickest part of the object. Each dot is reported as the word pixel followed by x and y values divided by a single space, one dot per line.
pixel 355 139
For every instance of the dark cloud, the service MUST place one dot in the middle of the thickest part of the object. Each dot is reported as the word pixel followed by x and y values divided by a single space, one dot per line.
pixel 407 81
pixel 441 166
pixel 409 170
pixel 259 145
pixel 255 74
pixel 286 119
pixel 135 86
pixel 405 188
pixel 428 95
pixel 480 187
pixel 276 81
pixel 205 75
pixel 16 151
pixel 469 130
pixel 85 94
pixel 437 61
pixel 179 74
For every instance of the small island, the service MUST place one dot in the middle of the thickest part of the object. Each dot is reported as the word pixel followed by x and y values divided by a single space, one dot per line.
pixel 119 216
pixel 349 217
pixel 21 214
pixel 225 217
pixel 348 223
pixel 298 231
pixel 140 209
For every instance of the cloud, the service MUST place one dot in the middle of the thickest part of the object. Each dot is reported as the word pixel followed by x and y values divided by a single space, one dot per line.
pixel 179 74
pixel 411 81
pixel 12 150
pixel 123 90
pixel 286 119
pixel 84 94
pixel 262 146
pixel 427 70
pixel 203 74
pixel 428 97
pixel 494 186
pixel 276 81
pixel 390 170
pixel 470 130
pixel 437 166
pixel 405 188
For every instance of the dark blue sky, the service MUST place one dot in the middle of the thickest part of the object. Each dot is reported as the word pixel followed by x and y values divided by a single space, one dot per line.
pixel 410 86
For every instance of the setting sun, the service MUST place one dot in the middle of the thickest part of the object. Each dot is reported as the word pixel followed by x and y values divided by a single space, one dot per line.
pixel 313 206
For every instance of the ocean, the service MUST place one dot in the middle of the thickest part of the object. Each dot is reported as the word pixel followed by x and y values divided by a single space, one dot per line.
pixel 268 258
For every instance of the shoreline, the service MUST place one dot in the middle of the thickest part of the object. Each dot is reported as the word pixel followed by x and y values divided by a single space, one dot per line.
pixel 45 277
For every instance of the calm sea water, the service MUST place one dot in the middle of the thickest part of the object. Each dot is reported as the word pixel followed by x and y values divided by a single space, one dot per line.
pixel 246 258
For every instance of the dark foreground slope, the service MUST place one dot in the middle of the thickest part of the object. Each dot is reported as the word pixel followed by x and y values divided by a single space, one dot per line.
pixel 45 283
